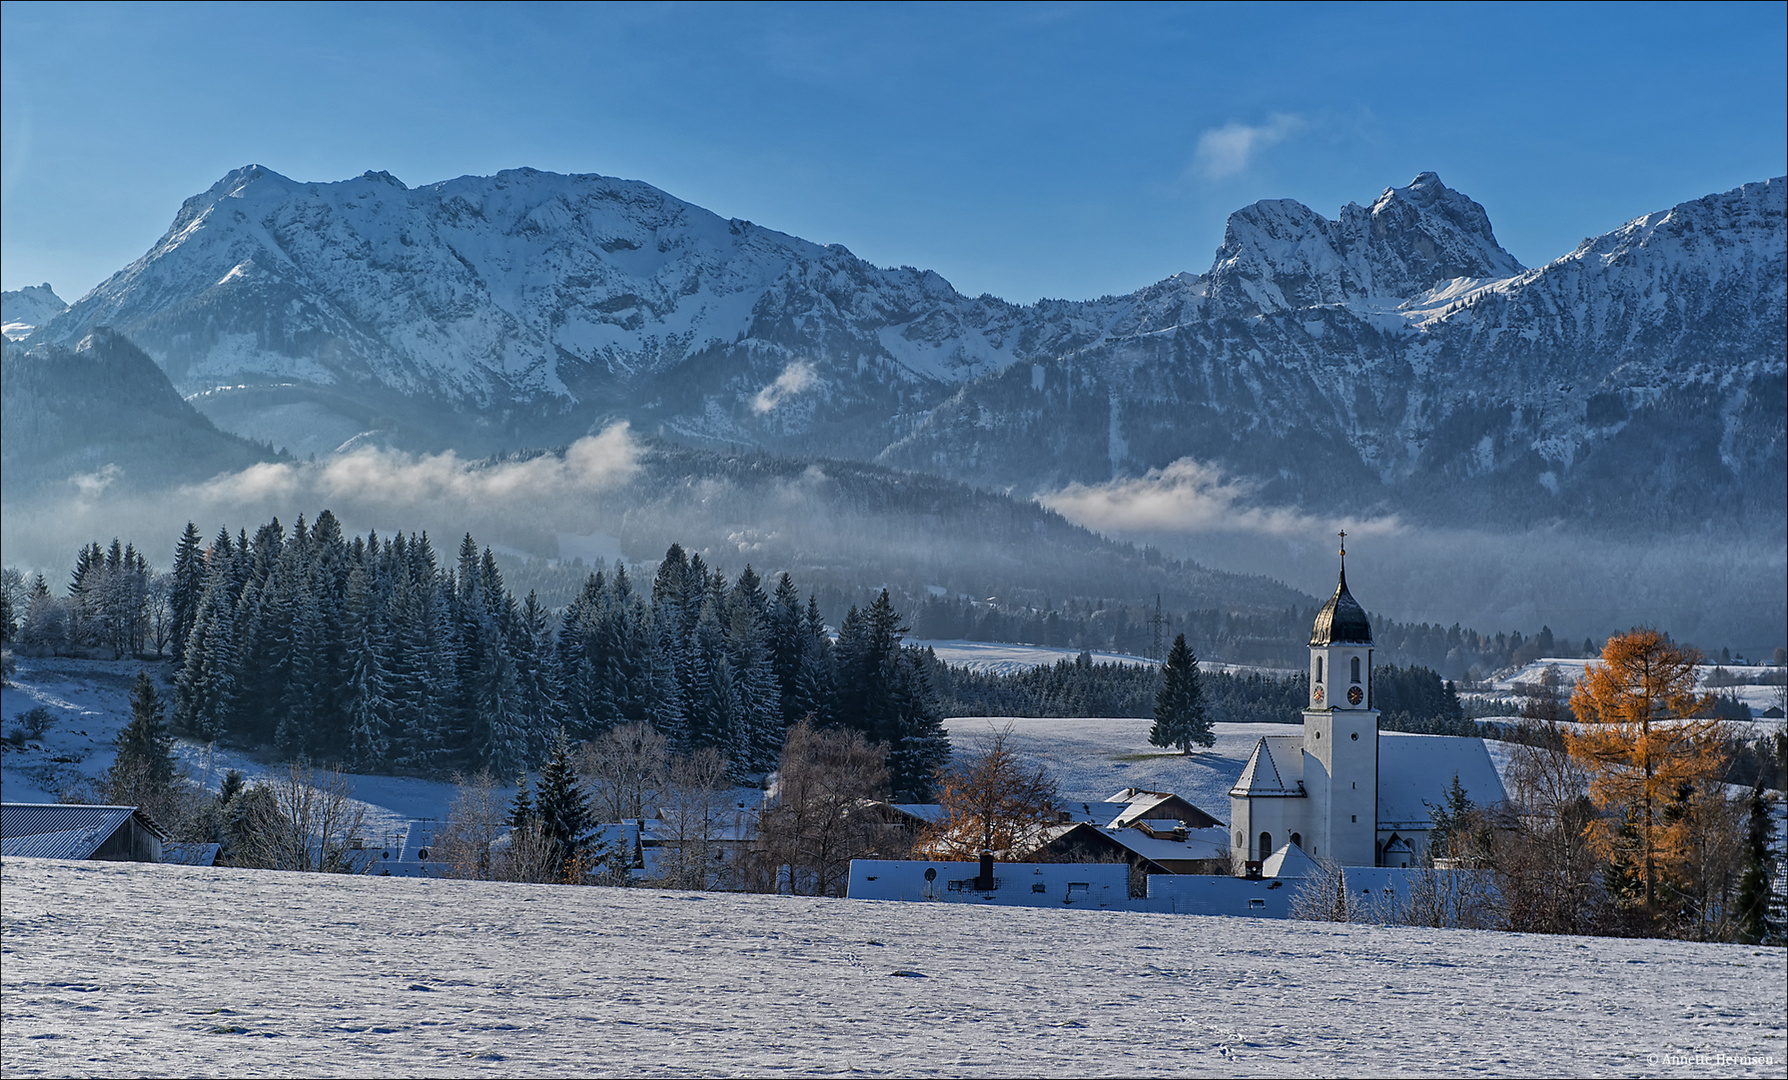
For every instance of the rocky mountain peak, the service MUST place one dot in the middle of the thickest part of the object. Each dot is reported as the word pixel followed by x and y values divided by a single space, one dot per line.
pixel 24 310
pixel 1280 255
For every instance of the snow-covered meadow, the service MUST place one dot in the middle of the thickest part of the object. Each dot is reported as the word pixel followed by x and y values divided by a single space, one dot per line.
pixel 128 969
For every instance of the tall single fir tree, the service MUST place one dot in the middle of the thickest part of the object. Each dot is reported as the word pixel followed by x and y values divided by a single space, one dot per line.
pixel 144 769
pixel 1180 716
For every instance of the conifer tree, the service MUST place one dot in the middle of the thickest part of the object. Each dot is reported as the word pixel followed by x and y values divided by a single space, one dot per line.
pixel 560 805
pixel 1640 748
pixel 144 768
pixel 1180 716
pixel 1752 907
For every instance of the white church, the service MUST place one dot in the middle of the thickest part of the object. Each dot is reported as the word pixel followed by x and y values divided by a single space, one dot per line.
pixel 1341 789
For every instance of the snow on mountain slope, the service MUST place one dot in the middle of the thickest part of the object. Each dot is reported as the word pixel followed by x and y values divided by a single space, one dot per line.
pixel 24 310
pixel 1279 255
pixel 1394 359
pixel 1638 381
pixel 259 972
pixel 554 293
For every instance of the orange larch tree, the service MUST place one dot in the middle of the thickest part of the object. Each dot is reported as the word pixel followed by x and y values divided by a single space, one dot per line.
pixel 992 800
pixel 1642 750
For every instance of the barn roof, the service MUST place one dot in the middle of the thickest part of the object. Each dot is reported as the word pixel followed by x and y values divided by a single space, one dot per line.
pixel 1161 804
pixel 63 831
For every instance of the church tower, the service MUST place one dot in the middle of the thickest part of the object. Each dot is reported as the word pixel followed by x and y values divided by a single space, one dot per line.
pixel 1341 732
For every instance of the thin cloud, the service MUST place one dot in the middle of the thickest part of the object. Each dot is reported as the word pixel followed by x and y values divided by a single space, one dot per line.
pixel 1189 496
pixel 796 377
pixel 1228 150
pixel 392 478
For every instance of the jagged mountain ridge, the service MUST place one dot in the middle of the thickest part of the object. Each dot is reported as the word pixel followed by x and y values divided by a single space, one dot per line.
pixel 1639 380
pixel 1393 358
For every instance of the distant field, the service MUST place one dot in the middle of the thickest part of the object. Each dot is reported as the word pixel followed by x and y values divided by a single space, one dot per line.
pixel 122 969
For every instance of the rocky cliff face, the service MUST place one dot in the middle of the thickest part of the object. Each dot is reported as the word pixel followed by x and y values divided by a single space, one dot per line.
pixel 1394 358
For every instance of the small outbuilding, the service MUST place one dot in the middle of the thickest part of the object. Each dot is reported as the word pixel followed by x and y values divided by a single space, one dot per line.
pixel 65 831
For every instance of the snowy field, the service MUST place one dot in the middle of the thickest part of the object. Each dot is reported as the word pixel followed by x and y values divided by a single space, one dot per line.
pixel 1095 758
pixel 123 969
pixel 91 702
pixel 998 658
pixel 1758 698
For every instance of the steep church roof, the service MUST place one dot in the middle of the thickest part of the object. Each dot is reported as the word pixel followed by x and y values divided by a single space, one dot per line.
pixel 1260 777
pixel 1342 621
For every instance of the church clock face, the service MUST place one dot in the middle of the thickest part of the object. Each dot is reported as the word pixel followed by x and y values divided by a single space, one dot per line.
pixel 1317 695
pixel 1355 695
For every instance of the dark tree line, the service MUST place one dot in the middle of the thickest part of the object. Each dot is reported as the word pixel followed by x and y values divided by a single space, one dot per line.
pixel 372 652
pixel 1411 698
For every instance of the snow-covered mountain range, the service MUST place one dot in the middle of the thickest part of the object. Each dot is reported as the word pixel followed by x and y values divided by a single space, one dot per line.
pixel 1395 358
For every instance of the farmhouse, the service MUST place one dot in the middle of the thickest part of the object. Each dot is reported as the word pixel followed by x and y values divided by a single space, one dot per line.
pixel 1340 789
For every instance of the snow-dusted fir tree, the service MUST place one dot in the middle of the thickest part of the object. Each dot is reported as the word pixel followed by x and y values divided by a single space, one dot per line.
pixel 365 695
pixel 1180 716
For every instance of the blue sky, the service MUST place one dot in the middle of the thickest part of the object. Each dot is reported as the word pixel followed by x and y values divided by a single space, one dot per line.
pixel 1045 150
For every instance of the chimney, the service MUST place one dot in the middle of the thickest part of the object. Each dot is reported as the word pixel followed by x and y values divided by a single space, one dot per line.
pixel 984 881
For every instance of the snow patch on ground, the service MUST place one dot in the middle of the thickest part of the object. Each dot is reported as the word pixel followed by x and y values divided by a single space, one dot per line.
pixel 129 969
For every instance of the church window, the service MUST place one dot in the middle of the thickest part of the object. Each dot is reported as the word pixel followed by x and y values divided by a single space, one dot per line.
pixel 1319 669
pixel 1356 669
pixel 1297 839
pixel 1266 844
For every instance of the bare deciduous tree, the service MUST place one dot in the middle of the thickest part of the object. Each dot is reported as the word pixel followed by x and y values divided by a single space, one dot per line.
pixel 1547 870
pixel 816 824
pixel 1324 896
pixel 302 818
pixel 624 771
pixel 693 813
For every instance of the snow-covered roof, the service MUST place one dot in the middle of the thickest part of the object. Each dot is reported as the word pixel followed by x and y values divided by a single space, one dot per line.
pixel 191 854
pixel 1162 805
pixel 1261 776
pixel 1415 771
pixel 1289 861
pixel 1199 844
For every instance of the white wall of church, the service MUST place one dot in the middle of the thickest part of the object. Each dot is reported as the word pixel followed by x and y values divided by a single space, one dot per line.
pixel 1332 676
pixel 1277 818
pixel 1341 776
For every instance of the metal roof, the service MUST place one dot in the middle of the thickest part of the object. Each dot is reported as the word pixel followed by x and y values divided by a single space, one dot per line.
pixel 63 831
pixel 1342 621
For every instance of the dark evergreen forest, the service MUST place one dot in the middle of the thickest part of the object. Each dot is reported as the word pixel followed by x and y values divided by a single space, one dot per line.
pixel 371 652
pixel 1411 698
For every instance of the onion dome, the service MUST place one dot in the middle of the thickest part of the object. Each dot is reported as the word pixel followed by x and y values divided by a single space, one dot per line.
pixel 1342 621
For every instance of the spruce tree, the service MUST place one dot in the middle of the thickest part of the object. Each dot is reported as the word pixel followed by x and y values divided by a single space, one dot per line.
pixel 144 769
pixel 1751 908
pixel 560 805
pixel 1180 716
